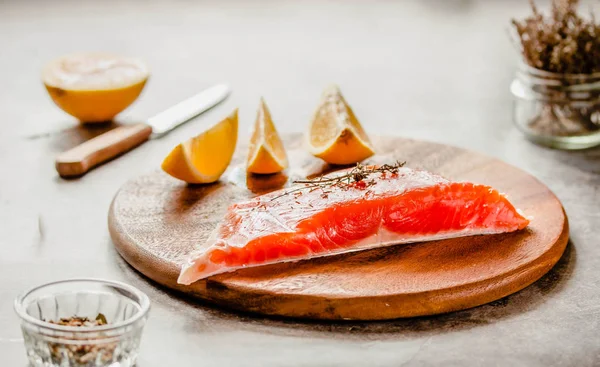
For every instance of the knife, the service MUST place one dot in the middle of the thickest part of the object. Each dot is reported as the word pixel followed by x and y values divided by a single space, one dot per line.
pixel 79 160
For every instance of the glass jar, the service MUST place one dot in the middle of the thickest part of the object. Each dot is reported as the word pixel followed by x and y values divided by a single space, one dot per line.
pixel 557 110
pixel 123 308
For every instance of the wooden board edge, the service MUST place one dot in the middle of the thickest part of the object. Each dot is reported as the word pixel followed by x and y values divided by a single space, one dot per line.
pixel 320 308
pixel 138 258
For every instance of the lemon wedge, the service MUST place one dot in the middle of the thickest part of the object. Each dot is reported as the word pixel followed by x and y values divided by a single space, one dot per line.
pixel 335 135
pixel 204 158
pixel 94 87
pixel 266 154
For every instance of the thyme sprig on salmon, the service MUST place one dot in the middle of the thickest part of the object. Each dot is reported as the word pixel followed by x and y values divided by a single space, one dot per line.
pixel 356 177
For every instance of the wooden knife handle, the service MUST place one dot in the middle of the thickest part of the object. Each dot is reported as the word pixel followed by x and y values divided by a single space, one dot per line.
pixel 82 158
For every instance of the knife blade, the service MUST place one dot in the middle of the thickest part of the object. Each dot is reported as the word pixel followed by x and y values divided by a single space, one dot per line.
pixel 187 109
pixel 79 160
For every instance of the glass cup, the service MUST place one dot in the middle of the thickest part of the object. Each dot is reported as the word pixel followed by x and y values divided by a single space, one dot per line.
pixel 557 110
pixel 116 343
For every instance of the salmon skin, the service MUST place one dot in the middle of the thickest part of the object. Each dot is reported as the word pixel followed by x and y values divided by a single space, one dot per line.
pixel 393 208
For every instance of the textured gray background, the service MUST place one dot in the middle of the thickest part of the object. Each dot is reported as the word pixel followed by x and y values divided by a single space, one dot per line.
pixel 436 70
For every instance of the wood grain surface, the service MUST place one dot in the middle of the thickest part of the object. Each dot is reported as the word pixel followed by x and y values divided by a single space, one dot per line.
pixel 80 159
pixel 155 221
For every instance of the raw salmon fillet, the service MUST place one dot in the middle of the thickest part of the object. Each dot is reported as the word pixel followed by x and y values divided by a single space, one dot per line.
pixel 393 208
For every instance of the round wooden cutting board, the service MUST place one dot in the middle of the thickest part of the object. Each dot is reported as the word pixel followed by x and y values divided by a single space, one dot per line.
pixel 155 221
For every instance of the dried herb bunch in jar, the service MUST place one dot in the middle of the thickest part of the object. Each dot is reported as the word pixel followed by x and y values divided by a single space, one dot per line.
pixel 561 71
pixel 562 43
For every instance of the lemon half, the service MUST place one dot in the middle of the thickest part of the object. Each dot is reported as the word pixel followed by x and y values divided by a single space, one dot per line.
pixel 94 87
